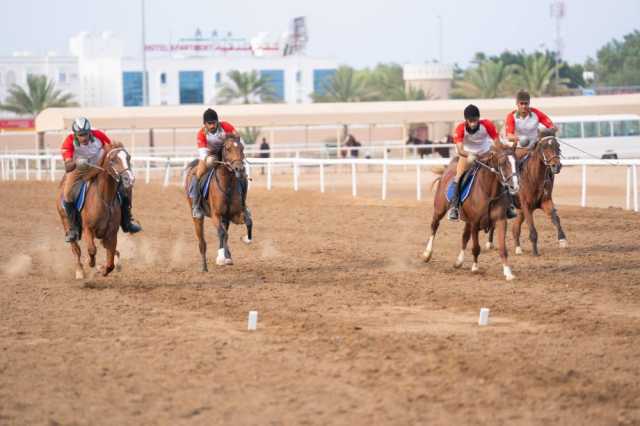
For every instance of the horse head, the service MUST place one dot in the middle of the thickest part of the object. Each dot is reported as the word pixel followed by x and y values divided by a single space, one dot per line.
pixel 233 155
pixel 503 161
pixel 117 163
pixel 549 149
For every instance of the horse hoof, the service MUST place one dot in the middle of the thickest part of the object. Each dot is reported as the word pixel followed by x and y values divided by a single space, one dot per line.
pixel 116 262
pixel 519 250
pixel 426 256
pixel 475 268
pixel 457 264
pixel 220 261
pixel 228 261
pixel 246 240
pixel 204 269
pixel 510 277
pixel 563 243
pixel 488 245
pixel 79 275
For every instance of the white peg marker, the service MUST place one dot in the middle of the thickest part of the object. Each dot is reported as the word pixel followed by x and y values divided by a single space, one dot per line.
pixel 484 316
pixel 253 320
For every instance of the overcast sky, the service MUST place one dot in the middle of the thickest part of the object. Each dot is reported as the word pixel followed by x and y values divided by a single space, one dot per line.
pixel 358 33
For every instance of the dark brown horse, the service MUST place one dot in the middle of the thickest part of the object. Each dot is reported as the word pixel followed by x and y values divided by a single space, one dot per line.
pixel 225 202
pixel 101 213
pixel 484 208
pixel 541 164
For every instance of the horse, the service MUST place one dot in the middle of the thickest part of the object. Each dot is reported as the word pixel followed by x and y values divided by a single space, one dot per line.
pixel 101 213
pixel 539 166
pixel 485 207
pixel 225 202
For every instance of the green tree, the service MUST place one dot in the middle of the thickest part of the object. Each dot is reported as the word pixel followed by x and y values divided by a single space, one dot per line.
pixel 250 134
pixel 537 76
pixel 490 79
pixel 618 62
pixel 247 87
pixel 41 93
pixel 346 85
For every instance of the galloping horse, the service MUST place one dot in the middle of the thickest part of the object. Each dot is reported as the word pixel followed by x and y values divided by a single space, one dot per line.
pixel 101 213
pixel 485 207
pixel 539 166
pixel 225 200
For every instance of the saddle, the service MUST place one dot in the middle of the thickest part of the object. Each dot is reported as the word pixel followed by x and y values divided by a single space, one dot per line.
pixel 466 184
pixel 79 195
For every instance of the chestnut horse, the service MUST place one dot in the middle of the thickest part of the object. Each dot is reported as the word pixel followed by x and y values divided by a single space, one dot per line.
pixel 485 207
pixel 225 202
pixel 101 213
pixel 541 164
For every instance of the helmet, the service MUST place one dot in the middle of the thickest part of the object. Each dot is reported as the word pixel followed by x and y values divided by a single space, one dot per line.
pixel 209 115
pixel 81 125
pixel 471 112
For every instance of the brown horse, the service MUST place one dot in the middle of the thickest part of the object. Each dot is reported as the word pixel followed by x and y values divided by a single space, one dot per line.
pixel 101 213
pixel 226 201
pixel 541 164
pixel 485 207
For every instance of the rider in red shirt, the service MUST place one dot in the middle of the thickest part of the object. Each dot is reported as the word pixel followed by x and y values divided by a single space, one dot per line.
pixel 521 125
pixel 81 150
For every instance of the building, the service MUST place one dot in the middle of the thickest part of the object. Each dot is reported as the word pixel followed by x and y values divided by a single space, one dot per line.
pixel 188 72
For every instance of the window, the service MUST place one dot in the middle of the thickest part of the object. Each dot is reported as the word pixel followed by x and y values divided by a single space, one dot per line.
pixel 191 87
pixel 590 129
pixel 276 80
pixel 62 77
pixel 218 78
pixel 605 129
pixel 10 78
pixel 321 78
pixel 298 76
pixel 163 78
pixel 132 88
pixel 570 130
pixel 626 128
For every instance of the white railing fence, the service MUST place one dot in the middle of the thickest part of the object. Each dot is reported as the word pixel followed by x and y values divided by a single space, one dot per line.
pixel 43 167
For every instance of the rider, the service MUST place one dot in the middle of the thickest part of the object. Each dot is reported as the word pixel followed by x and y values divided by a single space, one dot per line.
pixel 81 150
pixel 473 138
pixel 210 142
pixel 521 125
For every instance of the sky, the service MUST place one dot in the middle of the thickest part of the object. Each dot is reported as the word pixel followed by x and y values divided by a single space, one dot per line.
pixel 358 33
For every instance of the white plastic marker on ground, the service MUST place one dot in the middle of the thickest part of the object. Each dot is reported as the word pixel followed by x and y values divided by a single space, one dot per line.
pixel 484 316
pixel 253 320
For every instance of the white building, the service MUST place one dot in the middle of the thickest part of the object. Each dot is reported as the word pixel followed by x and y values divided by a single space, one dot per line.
pixel 188 72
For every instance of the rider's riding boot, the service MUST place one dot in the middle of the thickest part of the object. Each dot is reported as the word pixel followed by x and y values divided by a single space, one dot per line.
pixel 196 198
pixel 127 222
pixel 455 200
pixel 73 218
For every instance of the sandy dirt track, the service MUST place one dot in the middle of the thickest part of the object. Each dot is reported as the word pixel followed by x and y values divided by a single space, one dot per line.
pixel 353 327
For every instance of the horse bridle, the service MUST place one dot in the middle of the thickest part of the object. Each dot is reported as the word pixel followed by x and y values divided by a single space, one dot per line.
pixel 117 176
pixel 229 164
pixel 498 172
pixel 545 160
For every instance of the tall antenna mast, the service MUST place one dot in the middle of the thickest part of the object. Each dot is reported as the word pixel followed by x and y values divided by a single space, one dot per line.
pixel 558 13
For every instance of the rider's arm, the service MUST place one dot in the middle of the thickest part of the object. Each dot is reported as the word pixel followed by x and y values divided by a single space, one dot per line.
pixel 102 136
pixel 492 132
pixel 458 140
pixel 510 129
pixel 203 149
pixel 228 128
pixel 67 153
pixel 544 119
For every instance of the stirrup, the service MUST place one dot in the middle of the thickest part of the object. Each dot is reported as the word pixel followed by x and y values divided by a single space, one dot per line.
pixel 71 236
pixel 197 212
pixel 132 227
pixel 454 214
pixel 511 212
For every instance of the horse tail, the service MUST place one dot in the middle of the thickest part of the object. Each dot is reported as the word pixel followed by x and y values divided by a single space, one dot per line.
pixel 435 181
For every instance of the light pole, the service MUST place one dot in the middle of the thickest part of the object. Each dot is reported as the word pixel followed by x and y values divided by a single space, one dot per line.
pixel 145 83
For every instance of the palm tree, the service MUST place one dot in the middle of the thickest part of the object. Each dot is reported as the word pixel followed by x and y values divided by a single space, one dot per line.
pixel 537 76
pixel 250 134
pixel 490 79
pixel 41 93
pixel 346 85
pixel 249 87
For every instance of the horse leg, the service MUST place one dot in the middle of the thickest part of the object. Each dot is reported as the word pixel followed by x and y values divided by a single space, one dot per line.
pixel 501 226
pixel 91 247
pixel 75 248
pixel 476 248
pixel 116 261
pixel 248 220
pixel 550 210
pixel 222 235
pixel 533 233
pixel 110 245
pixel 202 243
pixel 438 214
pixel 516 228
pixel 227 252
pixel 489 244
pixel 466 234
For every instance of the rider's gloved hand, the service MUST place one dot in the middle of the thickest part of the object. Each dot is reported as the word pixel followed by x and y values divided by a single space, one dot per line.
pixel 69 166
pixel 82 163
